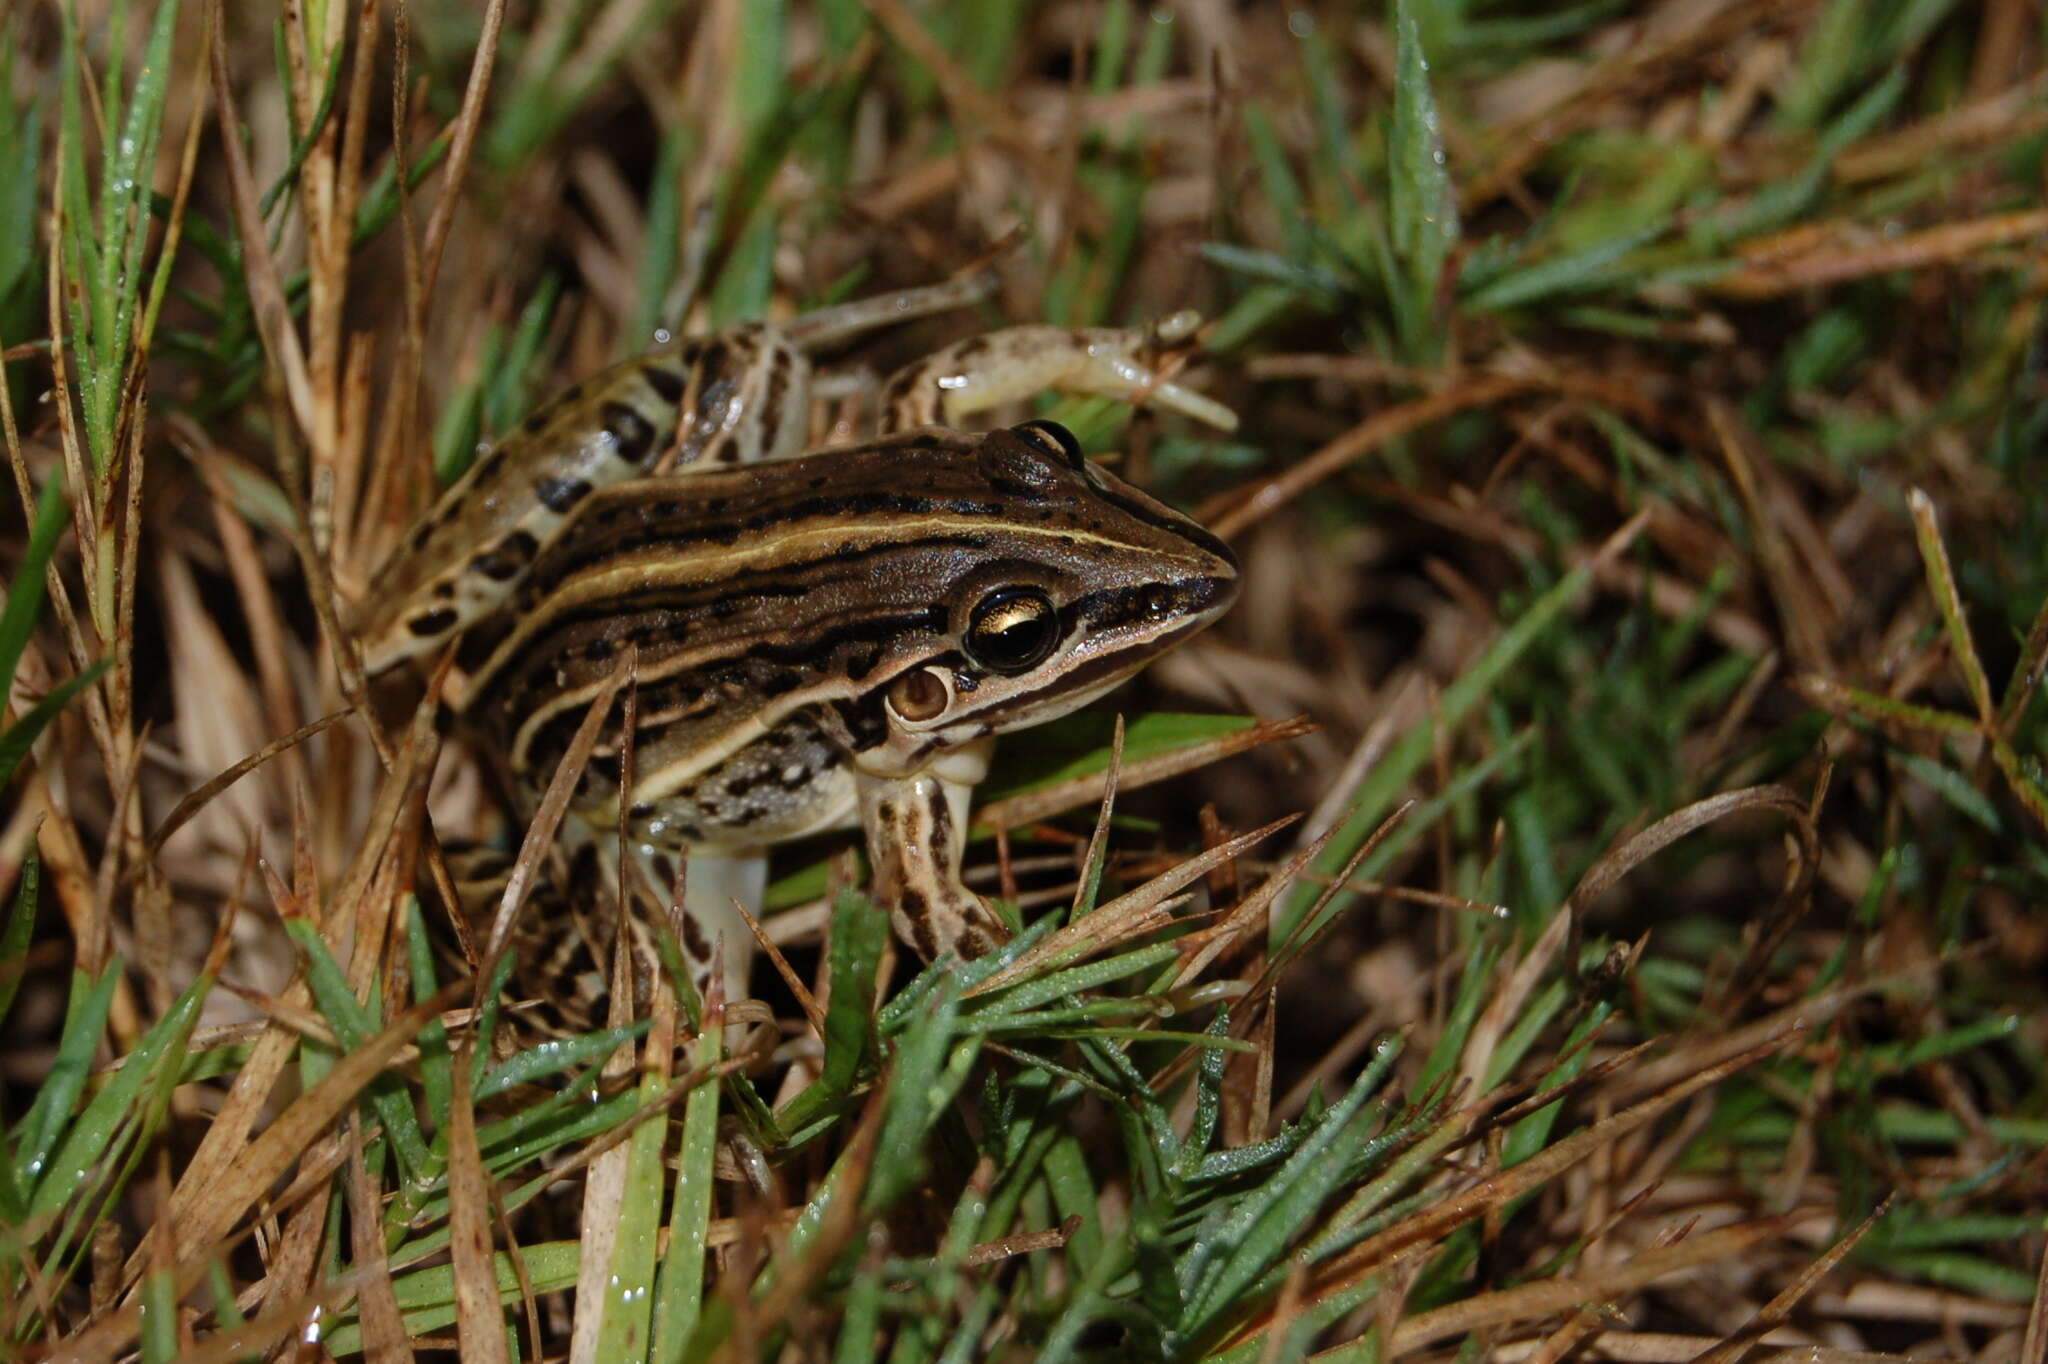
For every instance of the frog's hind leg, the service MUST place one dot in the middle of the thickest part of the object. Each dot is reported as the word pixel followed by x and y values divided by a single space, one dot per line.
pixel 1126 363
pixel 843 321
pixel 709 929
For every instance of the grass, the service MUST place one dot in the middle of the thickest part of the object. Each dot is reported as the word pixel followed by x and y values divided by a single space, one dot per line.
pixel 1637 953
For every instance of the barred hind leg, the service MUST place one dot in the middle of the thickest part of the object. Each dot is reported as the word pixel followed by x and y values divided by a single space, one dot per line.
pixel 563 942
pixel 710 929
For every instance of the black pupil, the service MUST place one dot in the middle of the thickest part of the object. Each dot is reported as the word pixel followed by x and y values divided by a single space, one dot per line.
pixel 1011 630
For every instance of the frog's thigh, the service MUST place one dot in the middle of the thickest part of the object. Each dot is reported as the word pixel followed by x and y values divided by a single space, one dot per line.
pixel 1005 366
pixel 916 833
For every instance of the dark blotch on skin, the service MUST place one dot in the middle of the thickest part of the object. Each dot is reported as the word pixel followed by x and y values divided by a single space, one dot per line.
pixel 502 562
pixel 433 623
pixel 667 383
pixel 633 433
pixel 918 911
pixel 560 494
pixel 694 941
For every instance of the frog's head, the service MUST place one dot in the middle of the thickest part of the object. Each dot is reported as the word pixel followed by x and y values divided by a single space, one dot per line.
pixel 1076 585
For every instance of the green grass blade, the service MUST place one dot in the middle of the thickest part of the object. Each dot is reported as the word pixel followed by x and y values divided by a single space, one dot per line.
pixel 19 737
pixel 353 1024
pixel 21 254
pixel 679 1287
pixel 437 1066
pixel 92 1136
pixel 85 1024
pixel 628 1303
pixel 25 592
pixel 536 1063
pixel 21 924
pixel 1422 208
pixel 1405 759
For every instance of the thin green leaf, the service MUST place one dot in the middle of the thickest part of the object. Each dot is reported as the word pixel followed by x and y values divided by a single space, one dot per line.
pixel 1422 207
pixel 25 592
pixel 18 738
pixel 21 924
pixel 85 1025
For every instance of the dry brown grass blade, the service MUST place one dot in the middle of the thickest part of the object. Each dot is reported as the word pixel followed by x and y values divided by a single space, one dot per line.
pixel 1231 514
pixel 1431 1224
pixel 384 1333
pixel 1509 998
pixel 260 269
pixel 1941 581
pixel 111 1337
pixel 263 1161
pixel 1032 806
pixel 1092 858
pixel 1663 1347
pixel 479 1321
pixel 604 1188
pixel 468 121
pixel 1527 1302
pixel 196 800
pixel 547 818
pixel 1250 914
pixel 1610 868
pixel 1834 263
pixel 277 1322
pixel 2027 672
pixel 2015 112
pixel 1779 1309
pixel 1596 94
pixel 835 1230
pixel 808 1002
pixel 1132 913
pixel 2034 1344
pixel 1023 1243
pixel 1804 617
pixel 1052 174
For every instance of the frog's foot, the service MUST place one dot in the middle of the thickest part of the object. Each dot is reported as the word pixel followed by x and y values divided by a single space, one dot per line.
pixel 1131 364
pixel 916 830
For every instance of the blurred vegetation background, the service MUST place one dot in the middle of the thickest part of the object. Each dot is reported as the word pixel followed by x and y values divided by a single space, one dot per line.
pixel 1642 488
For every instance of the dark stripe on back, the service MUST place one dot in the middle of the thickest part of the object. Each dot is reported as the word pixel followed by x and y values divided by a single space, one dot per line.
pixel 560 569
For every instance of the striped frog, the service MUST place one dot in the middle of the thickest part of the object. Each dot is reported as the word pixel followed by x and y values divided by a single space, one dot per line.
pixel 815 637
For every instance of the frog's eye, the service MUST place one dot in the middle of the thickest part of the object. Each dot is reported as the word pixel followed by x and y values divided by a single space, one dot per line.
pixel 1054 439
pixel 1012 629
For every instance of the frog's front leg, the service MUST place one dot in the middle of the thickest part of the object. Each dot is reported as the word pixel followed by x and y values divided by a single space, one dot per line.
pixel 1018 362
pixel 916 829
